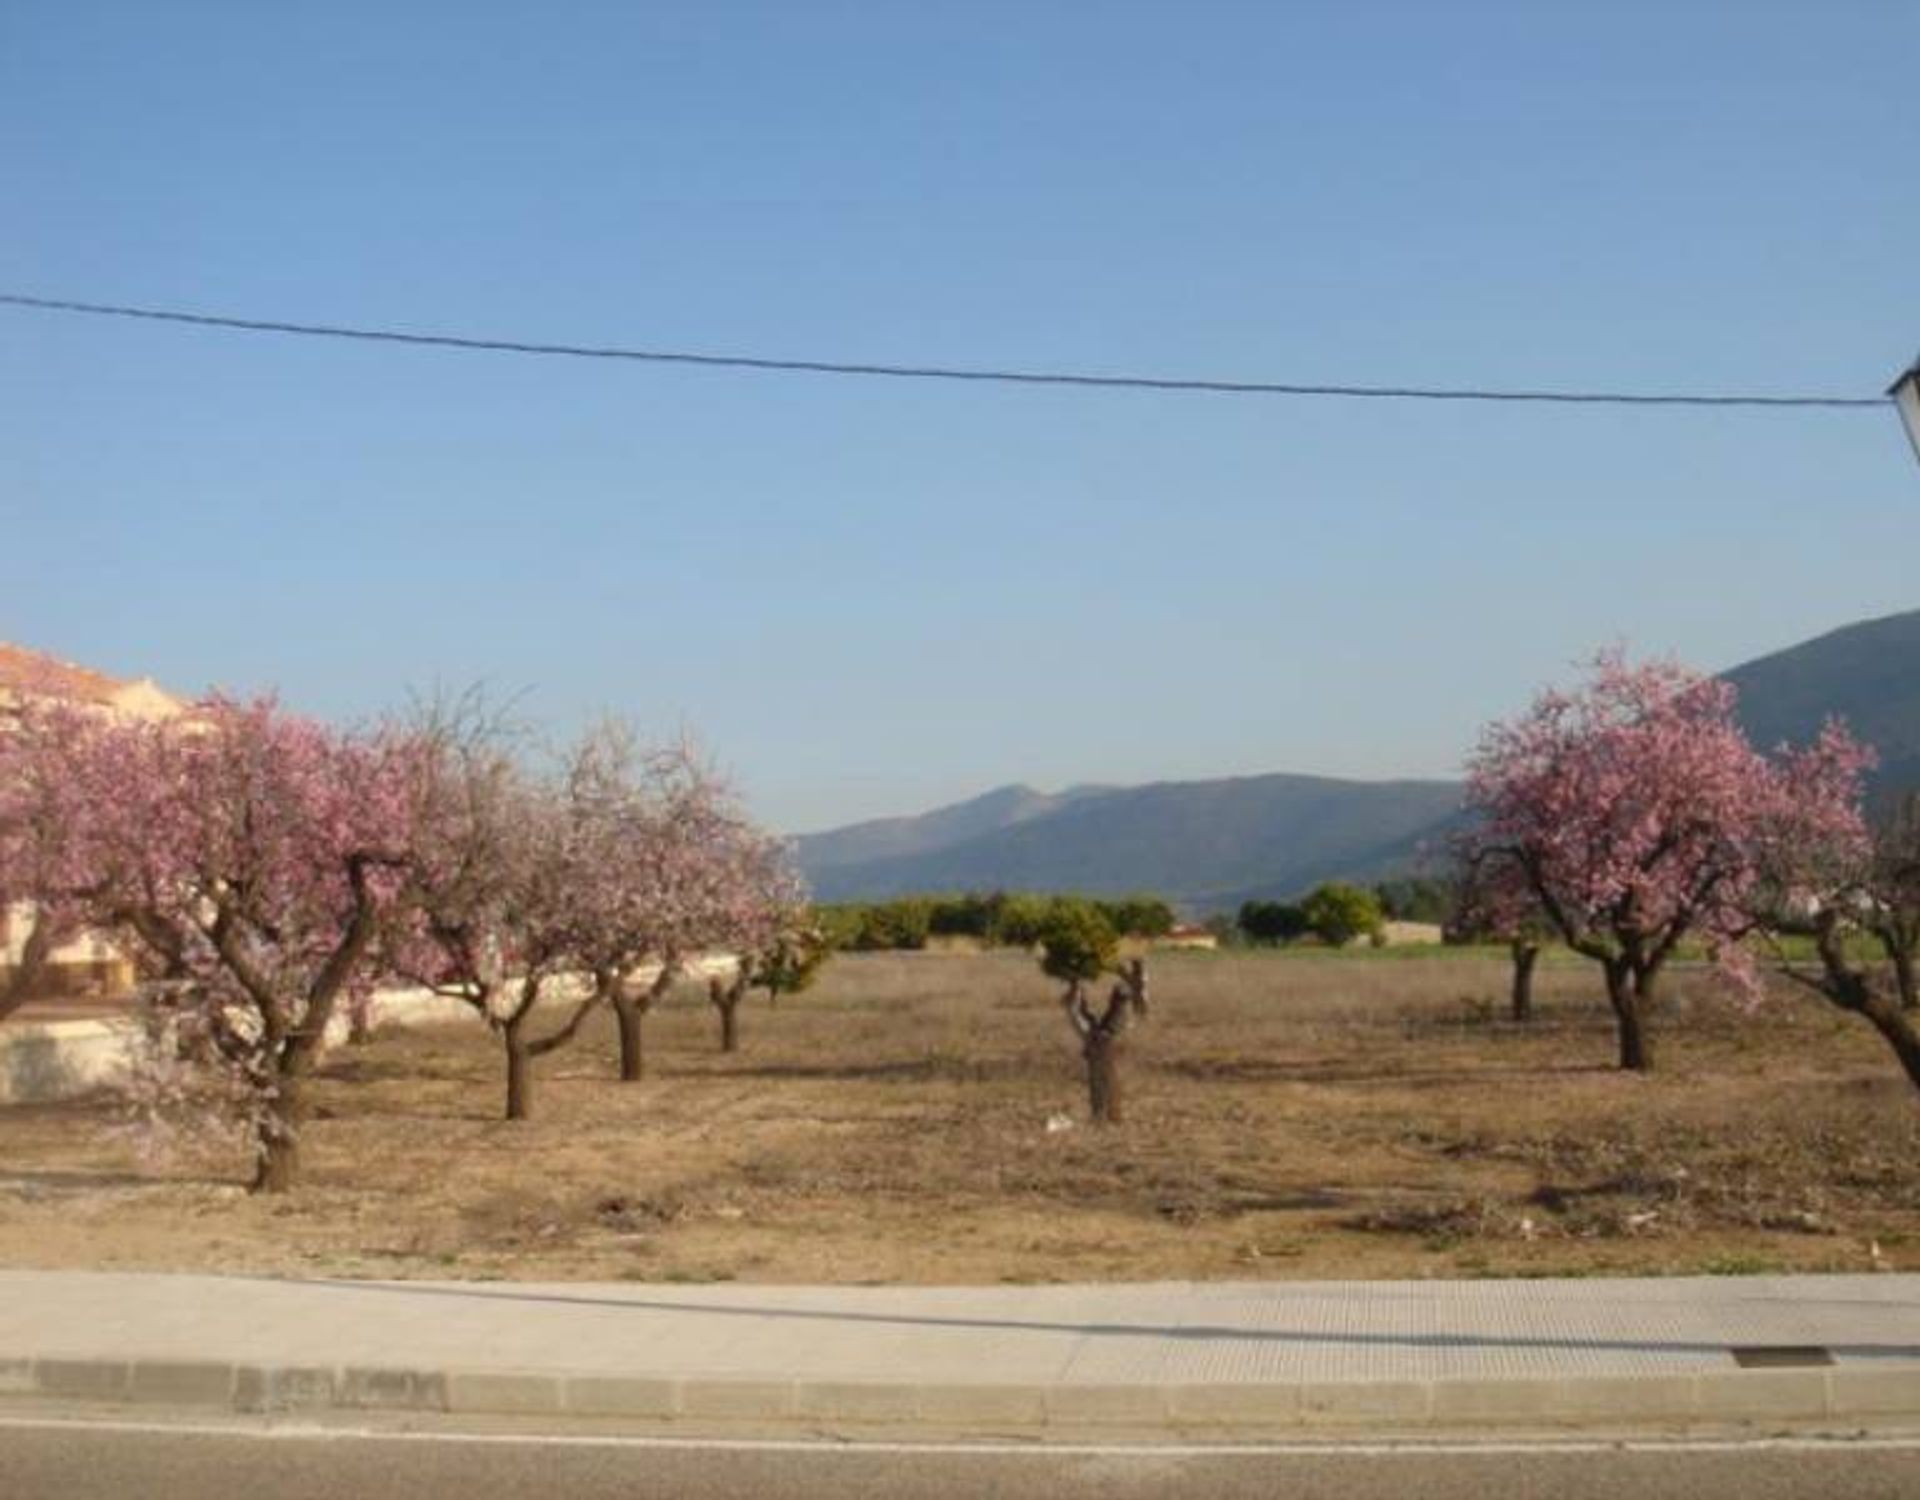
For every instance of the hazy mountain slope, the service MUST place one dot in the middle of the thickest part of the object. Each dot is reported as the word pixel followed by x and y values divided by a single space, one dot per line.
pixel 1213 844
pixel 1195 842
pixel 1868 674
pixel 893 838
pixel 886 838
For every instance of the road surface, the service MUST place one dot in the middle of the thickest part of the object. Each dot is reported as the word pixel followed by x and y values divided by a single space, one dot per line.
pixel 92 1458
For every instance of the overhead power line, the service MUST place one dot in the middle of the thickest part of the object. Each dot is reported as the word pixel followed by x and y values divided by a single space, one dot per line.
pixel 929 372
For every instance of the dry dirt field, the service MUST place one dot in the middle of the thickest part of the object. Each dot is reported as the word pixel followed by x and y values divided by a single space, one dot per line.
pixel 1289 1116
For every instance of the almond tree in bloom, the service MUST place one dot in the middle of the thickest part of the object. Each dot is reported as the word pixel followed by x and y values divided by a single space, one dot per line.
pixel 1629 811
pixel 249 853
pixel 495 909
pixel 1821 877
pixel 587 888
pixel 1492 901
pixel 687 872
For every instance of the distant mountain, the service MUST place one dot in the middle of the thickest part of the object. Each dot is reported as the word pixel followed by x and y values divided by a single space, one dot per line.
pixel 1867 674
pixel 899 838
pixel 1210 845
pixel 1203 844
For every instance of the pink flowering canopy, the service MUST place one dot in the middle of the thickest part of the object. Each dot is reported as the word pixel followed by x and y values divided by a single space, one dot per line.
pixel 1632 810
pixel 245 852
pixel 1816 850
pixel 676 865
pixel 489 887
pixel 240 841
pixel 627 857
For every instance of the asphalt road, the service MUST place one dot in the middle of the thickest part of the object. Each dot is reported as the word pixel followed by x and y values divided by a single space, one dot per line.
pixel 92 1460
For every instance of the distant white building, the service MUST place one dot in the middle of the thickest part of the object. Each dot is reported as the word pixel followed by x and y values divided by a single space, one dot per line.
pixel 28 674
pixel 89 962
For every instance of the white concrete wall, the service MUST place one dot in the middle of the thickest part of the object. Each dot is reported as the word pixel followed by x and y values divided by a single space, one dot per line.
pixel 45 1061
pixel 41 1061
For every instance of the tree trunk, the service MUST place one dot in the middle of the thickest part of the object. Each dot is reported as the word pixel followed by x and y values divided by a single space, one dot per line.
pixel 1891 1022
pixel 729 1023
pixel 34 954
pixel 1903 976
pixel 1626 997
pixel 519 1071
pixel 1103 1077
pixel 630 1011
pixel 279 1165
pixel 279 1141
pixel 1853 988
pixel 1525 956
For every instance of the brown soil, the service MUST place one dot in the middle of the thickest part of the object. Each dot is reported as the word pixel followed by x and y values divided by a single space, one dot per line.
pixel 1289 1116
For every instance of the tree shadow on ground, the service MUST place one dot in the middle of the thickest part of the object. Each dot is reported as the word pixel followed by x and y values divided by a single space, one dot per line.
pixel 1353 1070
pixel 74 1181
pixel 767 1303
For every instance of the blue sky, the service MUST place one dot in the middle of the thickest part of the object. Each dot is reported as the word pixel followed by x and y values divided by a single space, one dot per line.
pixel 870 597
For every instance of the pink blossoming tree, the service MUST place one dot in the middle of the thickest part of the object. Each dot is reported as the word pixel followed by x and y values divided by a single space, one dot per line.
pixel 1629 811
pixel 1493 902
pixel 489 912
pixel 689 872
pixel 588 888
pixel 1823 876
pixel 247 854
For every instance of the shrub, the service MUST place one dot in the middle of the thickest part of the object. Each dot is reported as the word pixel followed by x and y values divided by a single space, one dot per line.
pixel 1077 942
pixel 1337 913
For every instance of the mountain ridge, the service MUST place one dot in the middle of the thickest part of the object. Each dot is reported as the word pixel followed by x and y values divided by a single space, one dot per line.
pixel 1210 844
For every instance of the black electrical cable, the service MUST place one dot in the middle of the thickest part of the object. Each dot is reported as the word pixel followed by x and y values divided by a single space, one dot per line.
pixel 931 372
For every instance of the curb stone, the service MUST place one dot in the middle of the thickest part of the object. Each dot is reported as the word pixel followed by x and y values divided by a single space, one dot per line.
pixel 1716 1397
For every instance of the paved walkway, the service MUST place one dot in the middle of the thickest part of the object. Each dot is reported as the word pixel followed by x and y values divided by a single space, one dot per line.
pixel 1252 1356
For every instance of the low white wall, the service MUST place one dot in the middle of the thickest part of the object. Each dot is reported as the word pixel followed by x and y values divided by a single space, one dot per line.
pixel 45 1061
pixel 41 1061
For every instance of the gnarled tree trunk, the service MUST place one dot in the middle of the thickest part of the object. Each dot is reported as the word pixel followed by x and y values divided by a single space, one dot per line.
pixel 278 1164
pixel 519 1068
pixel 1904 979
pixel 1852 988
pixel 1526 953
pixel 1102 1052
pixel 725 998
pixel 293 1034
pixel 1102 1034
pixel 1894 1025
pixel 1626 993
pixel 523 1049
pixel 630 1012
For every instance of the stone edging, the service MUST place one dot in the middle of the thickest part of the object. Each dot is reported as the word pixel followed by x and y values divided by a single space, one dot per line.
pixel 1870 1393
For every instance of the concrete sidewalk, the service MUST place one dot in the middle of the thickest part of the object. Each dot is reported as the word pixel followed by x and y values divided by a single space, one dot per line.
pixel 1231 1358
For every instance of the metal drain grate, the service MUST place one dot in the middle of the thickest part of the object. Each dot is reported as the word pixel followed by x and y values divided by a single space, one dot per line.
pixel 1778 1356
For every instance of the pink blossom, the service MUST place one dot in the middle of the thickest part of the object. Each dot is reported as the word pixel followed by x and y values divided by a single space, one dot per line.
pixel 1633 814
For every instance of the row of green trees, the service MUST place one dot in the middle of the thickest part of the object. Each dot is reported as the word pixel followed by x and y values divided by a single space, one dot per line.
pixel 1337 912
pixel 1012 919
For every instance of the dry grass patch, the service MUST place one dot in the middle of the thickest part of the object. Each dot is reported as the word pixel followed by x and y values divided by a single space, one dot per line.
pixel 1288 1116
